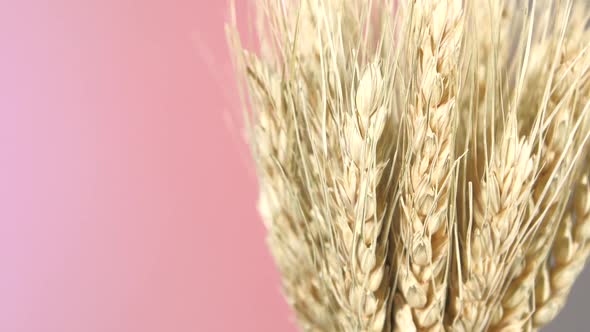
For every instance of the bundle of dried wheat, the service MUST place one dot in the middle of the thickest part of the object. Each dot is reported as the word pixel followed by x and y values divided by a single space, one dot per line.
pixel 422 162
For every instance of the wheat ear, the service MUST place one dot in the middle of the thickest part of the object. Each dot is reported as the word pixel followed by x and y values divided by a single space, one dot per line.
pixel 558 273
pixel 570 251
pixel 559 147
pixel 358 216
pixel 490 229
pixel 497 221
pixel 292 237
pixel 424 224
pixel 278 141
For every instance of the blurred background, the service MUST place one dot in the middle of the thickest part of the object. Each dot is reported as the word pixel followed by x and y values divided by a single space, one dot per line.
pixel 127 197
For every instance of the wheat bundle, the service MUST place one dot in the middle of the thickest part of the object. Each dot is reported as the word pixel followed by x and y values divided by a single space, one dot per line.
pixel 422 163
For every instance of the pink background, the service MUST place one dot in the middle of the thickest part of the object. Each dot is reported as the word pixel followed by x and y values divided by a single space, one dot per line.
pixel 127 198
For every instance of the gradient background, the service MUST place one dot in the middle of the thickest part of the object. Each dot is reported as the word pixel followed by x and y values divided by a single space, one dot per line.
pixel 127 199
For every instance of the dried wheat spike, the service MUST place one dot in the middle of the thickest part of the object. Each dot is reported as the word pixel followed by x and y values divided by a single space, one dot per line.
pixel 558 149
pixel 290 237
pixel 357 214
pixel 497 224
pixel 570 251
pixel 424 224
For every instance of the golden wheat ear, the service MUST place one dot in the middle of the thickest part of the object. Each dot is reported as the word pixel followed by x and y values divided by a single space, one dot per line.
pixel 570 252
pixel 435 30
